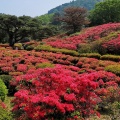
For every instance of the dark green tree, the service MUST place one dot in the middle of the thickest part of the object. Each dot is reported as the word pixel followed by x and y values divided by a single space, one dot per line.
pixel 17 28
pixel 105 12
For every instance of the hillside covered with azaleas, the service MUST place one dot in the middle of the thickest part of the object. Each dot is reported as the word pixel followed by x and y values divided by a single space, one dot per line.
pixel 89 35
pixel 55 80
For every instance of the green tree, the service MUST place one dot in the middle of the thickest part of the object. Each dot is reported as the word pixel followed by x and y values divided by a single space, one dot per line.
pixel 105 12
pixel 45 19
pixel 74 18
pixel 17 28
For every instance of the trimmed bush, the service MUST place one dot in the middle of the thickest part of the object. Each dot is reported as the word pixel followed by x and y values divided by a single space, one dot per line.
pixel 56 50
pixel 91 55
pixel 18 46
pixel 114 69
pixel 44 65
pixel 84 48
pixel 31 47
pixel 3 90
pixel 115 58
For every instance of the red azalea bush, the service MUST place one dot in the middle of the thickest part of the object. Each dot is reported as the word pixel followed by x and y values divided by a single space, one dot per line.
pixel 113 46
pixel 58 93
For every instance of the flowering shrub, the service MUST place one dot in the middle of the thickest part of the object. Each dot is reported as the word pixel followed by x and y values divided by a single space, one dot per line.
pixel 91 34
pixel 113 46
pixel 57 93
pixel 21 67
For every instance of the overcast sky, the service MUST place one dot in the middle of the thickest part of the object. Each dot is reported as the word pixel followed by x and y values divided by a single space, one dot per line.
pixel 29 7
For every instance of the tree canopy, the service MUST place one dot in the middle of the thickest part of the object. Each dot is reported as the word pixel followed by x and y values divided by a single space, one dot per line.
pixel 16 28
pixel 105 12
pixel 74 18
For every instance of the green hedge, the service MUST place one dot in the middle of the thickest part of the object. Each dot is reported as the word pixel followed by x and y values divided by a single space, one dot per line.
pixel 44 65
pixel 115 58
pixel 3 90
pixel 91 55
pixel 114 69
pixel 51 49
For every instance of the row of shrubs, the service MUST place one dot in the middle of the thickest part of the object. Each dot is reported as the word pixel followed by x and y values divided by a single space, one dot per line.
pixel 56 50
pixel 115 58
pixel 110 68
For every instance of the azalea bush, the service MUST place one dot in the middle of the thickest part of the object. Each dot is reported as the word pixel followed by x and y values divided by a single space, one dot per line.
pixel 89 35
pixel 60 94
pixel 113 45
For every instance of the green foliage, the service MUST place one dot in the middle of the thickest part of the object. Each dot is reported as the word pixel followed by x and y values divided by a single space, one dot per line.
pixel 45 19
pixel 31 47
pixel 91 55
pixel 18 46
pixel 84 48
pixel 3 90
pixel 115 58
pixel 5 115
pixel 16 28
pixel 105 12
pixel 6 79
pixel 46 31
pixel 114 69
pixel 51 49
pixel 44 65
pixel 88 4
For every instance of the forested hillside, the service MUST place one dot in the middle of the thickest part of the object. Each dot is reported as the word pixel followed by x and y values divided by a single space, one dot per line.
pixel 88 4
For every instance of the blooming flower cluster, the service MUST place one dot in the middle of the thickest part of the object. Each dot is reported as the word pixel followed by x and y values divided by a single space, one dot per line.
pixel 57 92
pixel 113 46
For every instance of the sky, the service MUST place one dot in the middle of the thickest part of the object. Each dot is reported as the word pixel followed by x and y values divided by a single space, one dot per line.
pixel 31 8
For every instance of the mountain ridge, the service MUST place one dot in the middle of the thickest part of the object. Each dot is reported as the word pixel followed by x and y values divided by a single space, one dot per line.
pixel 88 4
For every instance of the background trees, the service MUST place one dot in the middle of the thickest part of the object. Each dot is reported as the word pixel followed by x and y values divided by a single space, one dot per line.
pixel 16 28
pixel 105 12
pixel 88 4
pixel 74 18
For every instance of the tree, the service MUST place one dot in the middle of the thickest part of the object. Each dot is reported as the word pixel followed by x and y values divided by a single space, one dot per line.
pixel 17 27
pixel 105 12
pixel 74 18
